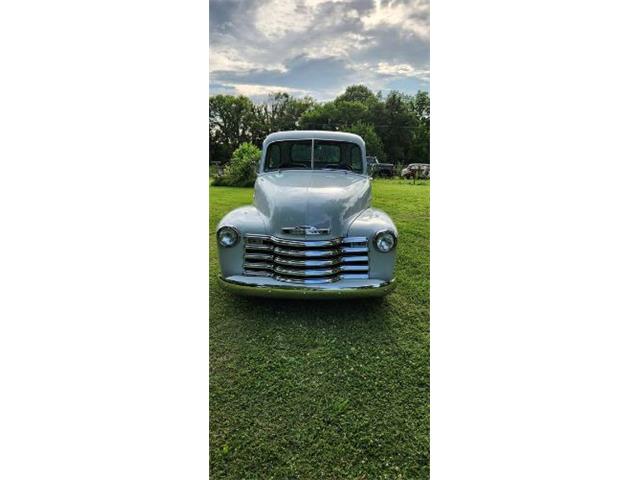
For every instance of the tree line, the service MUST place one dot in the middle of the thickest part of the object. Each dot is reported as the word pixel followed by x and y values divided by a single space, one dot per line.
pixel 394 127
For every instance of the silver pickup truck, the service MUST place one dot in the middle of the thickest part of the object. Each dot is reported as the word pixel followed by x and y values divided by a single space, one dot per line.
pixel 311 231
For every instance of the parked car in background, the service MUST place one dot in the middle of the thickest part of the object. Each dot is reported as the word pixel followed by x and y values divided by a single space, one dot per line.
pixel 311 231
pixel 377 169
pixel 416 170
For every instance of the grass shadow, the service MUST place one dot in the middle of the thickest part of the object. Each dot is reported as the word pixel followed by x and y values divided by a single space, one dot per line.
pixel 280 312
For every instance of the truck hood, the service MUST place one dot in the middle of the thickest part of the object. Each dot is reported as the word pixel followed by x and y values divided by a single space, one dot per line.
pixel 322 199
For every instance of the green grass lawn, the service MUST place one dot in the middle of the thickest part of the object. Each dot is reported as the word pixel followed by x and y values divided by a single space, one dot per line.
pixel 324 390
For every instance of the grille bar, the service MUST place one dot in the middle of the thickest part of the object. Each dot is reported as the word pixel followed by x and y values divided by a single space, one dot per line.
pixel 313 261
pixel 355 250
pixel 355 258
pixel 306 253
pixel 257 256
pixel 291 262
pixel 296 243
pixel 345 276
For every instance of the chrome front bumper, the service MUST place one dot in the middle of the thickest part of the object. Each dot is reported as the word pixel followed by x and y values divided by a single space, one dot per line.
pixel 269 287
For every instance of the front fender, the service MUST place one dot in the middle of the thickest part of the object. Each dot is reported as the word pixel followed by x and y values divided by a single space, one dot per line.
pixel 367 224
pixel 246 220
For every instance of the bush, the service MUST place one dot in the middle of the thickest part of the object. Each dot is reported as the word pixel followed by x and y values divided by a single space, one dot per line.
pixel 371 140
pixel 215 170
pixel 242 169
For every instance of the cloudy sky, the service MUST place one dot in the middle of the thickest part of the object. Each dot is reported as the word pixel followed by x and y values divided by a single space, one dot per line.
pixel 317 47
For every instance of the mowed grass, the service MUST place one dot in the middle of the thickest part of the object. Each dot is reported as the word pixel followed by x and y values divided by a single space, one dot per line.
pixel 324 390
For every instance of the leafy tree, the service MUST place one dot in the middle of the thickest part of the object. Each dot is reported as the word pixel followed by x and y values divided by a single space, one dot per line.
pixel 351 112
pixel 284 112
pixel 372 141
pixel 419 150
pixel 321 117
pixel 420 145
pixel 334 115
pixel 357 93
pixel 230 121
pixel 241 171
pixel 420 105
pixel 395 126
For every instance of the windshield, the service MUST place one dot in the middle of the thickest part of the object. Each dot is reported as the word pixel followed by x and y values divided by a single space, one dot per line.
pixel 327 155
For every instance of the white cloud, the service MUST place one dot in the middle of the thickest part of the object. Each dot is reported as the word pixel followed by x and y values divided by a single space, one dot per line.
pixel 251 90
pixel 228 60
pixel 403 69
pixel 277 18
pixel 318 47
pixel 412 17
pixel 341 46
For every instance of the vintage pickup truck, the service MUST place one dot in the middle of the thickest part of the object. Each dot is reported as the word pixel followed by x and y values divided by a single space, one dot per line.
pixel 378 169
pixel 311 231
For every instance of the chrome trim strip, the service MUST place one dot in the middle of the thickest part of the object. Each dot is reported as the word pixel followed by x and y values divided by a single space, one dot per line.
pixel 306 281
pixel 306 263
pixel 355 249
pixel 258 273
pixel 262 273
pixel 302 243
pixel 344 276
pixel 306 253
pixel 307 290
pixel 354 268
pixel 355 258
pixel 258 256
pixel 306 273
pixel 259 246
pixel 354 276
pixel 293 243
pixel 305 230
pixel 258 266
pixel 354 240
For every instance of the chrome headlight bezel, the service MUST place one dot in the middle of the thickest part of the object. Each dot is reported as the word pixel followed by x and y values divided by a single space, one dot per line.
pixel 230 229
pixel 386 233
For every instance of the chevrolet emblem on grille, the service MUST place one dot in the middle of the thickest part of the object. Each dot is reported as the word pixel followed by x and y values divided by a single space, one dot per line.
pixel 305 230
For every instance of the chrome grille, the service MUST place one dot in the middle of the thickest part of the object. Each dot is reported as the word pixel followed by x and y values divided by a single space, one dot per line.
pixel 302 261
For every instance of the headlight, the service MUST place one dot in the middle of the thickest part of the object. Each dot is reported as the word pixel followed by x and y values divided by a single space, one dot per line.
pixel 227 236
pixel 385 241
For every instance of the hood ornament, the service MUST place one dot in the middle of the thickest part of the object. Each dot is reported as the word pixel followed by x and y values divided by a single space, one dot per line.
pixel 305 230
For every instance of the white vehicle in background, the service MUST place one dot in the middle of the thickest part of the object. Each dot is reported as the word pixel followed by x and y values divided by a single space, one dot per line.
pixel 416 170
